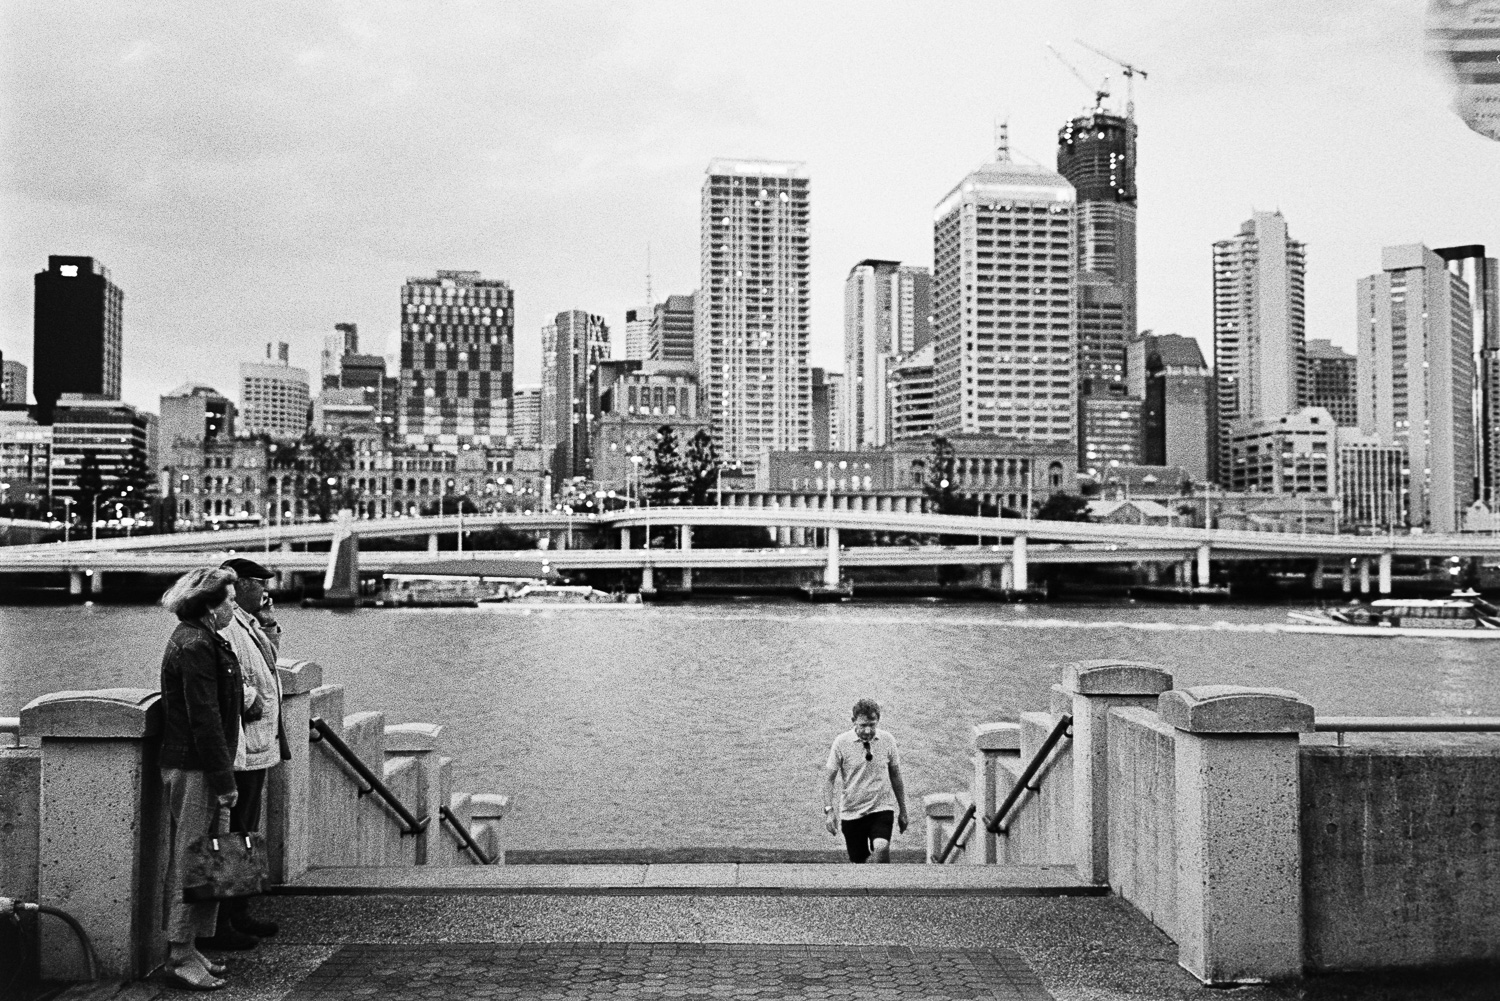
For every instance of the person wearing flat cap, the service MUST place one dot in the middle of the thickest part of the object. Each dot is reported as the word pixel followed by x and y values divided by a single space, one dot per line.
pixel 255 637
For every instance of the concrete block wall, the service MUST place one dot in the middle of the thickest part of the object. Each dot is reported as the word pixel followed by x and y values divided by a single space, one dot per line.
pixel 1401 851
pixel 20 850
pixel 1142 761
pixel 1041 824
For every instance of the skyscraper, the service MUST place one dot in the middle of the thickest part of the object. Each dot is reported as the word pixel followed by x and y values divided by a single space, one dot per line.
pixel 574 344
pixel 912 396
pixel 751 338
pixel 1482 274
pixel 1168 372
pixel 1004 298
pixel 194 413
pixel 1416 377
pixel 77 332
pixel 12 382
pixel 274 396
pixel 887 307
pixel 1259 325
pixel 637 328
pixel 343 341
pixel 457 361
pixel 526 416
pixel 1331 382
pixel 671 334
pixel 1096 153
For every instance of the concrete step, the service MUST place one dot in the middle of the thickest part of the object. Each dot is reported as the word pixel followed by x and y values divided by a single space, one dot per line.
pixel 720 879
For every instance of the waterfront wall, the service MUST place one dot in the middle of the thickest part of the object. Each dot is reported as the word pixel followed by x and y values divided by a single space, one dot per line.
pixel 83 826
pixel 1262 848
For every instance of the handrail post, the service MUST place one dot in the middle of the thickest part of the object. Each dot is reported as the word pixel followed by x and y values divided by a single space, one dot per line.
pixel 999 823
pixel 377 785
pixel 992 742
pixel 464 837
pixel 1094 687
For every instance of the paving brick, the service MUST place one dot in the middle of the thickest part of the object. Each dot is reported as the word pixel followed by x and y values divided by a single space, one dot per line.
pixel 564 971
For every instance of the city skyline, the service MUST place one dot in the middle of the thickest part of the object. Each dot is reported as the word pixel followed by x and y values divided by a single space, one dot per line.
pixel 308 170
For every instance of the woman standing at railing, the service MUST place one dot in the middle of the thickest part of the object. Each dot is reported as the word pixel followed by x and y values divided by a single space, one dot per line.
pixel 202 695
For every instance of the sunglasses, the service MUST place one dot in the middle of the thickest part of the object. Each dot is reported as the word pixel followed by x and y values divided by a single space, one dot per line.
pixel 868 755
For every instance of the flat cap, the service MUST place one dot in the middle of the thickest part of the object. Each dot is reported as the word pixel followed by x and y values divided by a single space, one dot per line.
pixel 248 569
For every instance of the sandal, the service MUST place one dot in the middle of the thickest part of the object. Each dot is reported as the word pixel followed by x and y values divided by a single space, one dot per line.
pixel 190 976
pixel 217 969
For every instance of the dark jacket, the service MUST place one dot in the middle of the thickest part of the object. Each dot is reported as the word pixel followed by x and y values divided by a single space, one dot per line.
pixel 202 692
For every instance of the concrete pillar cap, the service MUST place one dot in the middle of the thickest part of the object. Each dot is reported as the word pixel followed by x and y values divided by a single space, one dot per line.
pixel 104 712
pixel 997 737
pixel 488 805
pixel 410 738
pixel 1235 709
pixel 940 804
pixel 298 677
pixel 1114 677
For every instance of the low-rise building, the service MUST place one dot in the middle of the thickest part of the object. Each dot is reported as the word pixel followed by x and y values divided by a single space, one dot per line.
pixel 1374 482
pixel 25 461
pixel 1131 512
pixel 1293 454
pixel 112 439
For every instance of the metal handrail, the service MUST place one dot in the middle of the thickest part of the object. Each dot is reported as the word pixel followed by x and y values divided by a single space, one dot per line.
pixel 465 836
pixel 1405 724
pixel 322 731
pixel 992 824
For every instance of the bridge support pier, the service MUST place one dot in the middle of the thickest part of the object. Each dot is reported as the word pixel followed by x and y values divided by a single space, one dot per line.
pixel 75 583
pixel 432 543
pixel 1185 573
pixel 1385 573
pixel 96 582
pixel 1153 573
pixel 1205 572
pixel 624 538
pixel 1364 575
pixel 987 579
pixel 685 541
pixel 1348 581
pixel 1019 575
pixel 1317 576
pixel 831 569
pixel 648 578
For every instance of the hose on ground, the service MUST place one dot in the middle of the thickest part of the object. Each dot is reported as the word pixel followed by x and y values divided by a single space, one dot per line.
pixel 13 907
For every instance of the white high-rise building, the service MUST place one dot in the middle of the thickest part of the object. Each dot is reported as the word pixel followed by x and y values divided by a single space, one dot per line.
pixel 751 334
pixel 273 397
pixel 886 317
pixel 1416 377
pixel 1004 298
pixel 1260 354
pixel 637 331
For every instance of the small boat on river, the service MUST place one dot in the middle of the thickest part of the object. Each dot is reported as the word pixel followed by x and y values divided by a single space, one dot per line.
pixel 539 593
pixel 1465 615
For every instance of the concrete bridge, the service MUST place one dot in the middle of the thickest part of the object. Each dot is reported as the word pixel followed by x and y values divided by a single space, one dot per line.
pixel 1017 543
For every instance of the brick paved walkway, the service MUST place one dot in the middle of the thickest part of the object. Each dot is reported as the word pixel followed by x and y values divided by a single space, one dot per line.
pixel 567 970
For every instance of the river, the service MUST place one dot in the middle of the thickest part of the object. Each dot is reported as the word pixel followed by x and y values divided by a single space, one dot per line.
pixel 708 723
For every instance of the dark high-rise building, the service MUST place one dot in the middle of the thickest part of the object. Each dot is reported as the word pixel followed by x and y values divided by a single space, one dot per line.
pixel 77 332
pixel 574 344
pixel 1482 275
pixel 1331 375
pixel 670 336
pixel 1096 153
pixel 457 361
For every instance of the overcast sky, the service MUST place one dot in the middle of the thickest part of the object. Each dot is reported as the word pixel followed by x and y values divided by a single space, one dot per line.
pixel 262 172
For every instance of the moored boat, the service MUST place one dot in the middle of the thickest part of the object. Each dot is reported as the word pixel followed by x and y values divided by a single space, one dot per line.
pixel 1464 615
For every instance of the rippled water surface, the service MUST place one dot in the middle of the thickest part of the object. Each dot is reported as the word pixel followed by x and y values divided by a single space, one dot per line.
pixel 708 724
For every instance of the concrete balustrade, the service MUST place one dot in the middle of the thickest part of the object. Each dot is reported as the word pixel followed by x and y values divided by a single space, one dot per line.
pixel 994 743
pixel 419 743
pixel 1040 826
pixel 486 811
pixel 288 803
pixel 1238 830
pixel 1142 807
pixel 940 811
pixel 101 828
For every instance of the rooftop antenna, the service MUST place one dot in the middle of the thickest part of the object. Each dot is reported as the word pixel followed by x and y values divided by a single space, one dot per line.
pixel 1130 70
pixel 1100 92
pixel 1002 140
pixel 649 301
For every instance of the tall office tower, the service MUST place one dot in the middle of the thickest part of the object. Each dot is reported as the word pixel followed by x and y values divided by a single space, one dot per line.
pixel 912 395
pixel 1331 382
pixel 526 416
pixel 1259 325
pixel 751 335
pixel 343 341
pixel 457 361
pixel 366 374
pixel 637 331
pixel 1004 302
pixel 573 346
pixel 77 332
pixel 12 383
pixel 887 308
pixel 194 413
pixel 1416 377
pixel 825 410
pixel 1483 277
pixel 671 334
pixel 1096 153
pixel 116 438
pixel 274 397
pixel 1168 372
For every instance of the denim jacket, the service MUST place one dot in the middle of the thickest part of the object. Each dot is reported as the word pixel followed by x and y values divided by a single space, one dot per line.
pixel 202 691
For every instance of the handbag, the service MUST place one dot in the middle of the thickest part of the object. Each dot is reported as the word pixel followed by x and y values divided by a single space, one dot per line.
pixel 224 866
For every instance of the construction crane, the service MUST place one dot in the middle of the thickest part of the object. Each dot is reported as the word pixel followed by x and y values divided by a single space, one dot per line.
pixel 1100 93
pixel 1130 70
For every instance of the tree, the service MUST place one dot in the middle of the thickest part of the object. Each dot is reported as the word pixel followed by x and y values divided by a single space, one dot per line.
pixel 700 468
pixel 941 484
pixel 664 470
pixel 319 463
pixel 1064 507
pixel 90 484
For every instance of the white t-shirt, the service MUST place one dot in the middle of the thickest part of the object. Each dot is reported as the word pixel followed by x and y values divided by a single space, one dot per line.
pixel 867 784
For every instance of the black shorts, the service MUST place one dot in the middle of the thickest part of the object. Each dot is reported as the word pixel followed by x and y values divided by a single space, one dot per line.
pixel 861 831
